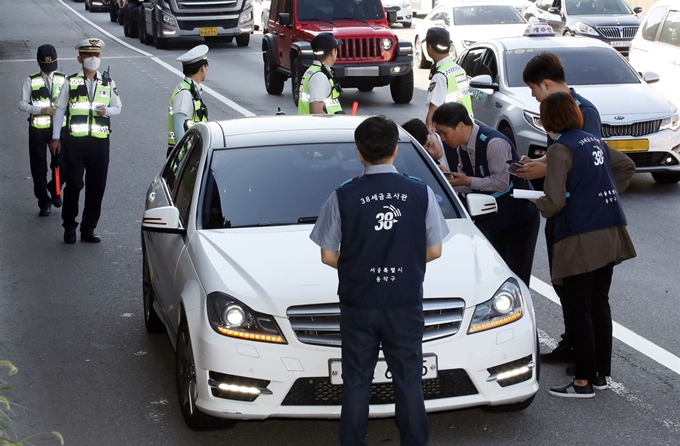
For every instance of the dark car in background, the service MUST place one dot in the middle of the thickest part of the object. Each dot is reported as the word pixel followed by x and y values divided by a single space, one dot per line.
pixel 611 21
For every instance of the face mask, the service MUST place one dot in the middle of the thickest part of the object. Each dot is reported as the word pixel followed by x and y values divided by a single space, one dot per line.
pixel 92 63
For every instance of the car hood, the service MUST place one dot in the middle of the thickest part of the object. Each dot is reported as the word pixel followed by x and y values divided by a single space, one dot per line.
pixel 476 33
pixel 343 29
pixel 638 102
pixel 606 19
pixel 271 269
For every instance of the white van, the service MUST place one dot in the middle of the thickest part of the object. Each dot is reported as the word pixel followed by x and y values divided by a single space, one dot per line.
pixel 656 47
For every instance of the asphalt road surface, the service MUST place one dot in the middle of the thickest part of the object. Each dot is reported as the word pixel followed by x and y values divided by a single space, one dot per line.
pixel 71 316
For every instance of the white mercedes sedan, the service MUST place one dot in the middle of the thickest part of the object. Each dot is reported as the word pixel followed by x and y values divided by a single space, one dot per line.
pixel 229 272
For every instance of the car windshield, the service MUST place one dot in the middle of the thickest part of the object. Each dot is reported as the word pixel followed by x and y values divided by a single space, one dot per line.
pixel 486 15
pixel 284 185
pixel 582 66
pixel 592 7
pixel 335 10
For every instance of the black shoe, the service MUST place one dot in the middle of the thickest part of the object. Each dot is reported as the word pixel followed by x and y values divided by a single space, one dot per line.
pixel 570 370
pixel 571 390
pixel 45 212
pixel 56 201
pixel 600 383
pixel 90 237
pixel 70 236
pixel 562 353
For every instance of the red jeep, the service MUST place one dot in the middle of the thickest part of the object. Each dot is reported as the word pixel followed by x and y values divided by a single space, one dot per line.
pixel 370 56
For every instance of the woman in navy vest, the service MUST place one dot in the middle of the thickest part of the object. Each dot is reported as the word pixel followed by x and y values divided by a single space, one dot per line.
pixel 590 238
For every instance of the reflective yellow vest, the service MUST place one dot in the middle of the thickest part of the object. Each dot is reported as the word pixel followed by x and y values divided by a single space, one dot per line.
pixel 457 87
pixel 200 111
pixel 331 104
pixel 40 97
pixel 83 119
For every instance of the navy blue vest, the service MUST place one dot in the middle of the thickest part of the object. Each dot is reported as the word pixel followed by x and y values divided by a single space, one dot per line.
pixel 591 117
pixel 383 249
pixel 593 202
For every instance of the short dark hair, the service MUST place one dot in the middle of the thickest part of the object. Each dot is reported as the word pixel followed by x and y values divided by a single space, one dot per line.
pixel 543 66
pixel 376 138
pixel 193 68
pixel 559 113
pixel 418 129
pixel 451 114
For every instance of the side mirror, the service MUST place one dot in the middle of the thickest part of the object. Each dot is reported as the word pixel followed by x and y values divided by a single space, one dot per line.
pixel 637 9
pixel 284 19
pixel 481 205
pixel 162 219
pixel 439 24
pixel 532 20
pixel 554 10
pixel 391 17
pixel 483 82
pixel 650 77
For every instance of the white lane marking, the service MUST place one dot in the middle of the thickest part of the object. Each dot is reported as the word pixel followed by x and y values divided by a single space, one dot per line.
pixel 628 337
pixel 653 351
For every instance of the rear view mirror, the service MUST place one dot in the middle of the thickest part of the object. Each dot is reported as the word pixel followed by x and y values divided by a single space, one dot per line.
pixel 481 205
pixel 284 19
pixel 637 9
pixel 650 77
pixel 483 82
pixel 162 219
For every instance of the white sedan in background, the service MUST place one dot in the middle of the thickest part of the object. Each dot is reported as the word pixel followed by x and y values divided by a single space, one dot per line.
pixel 403 10
pixel 261 14
pixel 229 272
pixel 468 22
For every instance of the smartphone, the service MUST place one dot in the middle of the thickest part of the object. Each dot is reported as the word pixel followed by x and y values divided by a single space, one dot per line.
pixel 513 166
pixel 449 175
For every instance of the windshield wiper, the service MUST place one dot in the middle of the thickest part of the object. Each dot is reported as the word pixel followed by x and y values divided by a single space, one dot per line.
pixel 301 220
pixel 351 18
pixel 314 19
pixel 307 219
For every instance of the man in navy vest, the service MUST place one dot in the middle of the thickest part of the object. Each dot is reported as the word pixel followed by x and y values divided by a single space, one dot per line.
pixel 380 248
pixel 483 154
pixel 442 154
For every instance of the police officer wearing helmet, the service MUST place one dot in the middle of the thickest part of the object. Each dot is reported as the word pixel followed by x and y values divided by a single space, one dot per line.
pixel 448 81
pixel 90 99
pixel 321 94
pixel 40 91
pixel 186 104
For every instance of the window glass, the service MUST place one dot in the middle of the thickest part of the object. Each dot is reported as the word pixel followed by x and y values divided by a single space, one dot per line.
pixel 472 61
pixel 173 166
pixel 582 66
pixel 283 185
pixel 599 7
pixel 486 15
pixel 185 190
pixel 652 22
pixel 670 31
pixel 330 10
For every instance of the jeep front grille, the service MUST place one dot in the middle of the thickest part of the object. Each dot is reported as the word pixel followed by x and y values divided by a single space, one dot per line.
pixel 634 129
pixel 618 32
pixel 360 49
pixel 320 324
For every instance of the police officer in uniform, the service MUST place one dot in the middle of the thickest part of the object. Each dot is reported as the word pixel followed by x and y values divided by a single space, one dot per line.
pixel 482 167
pixel 39 93
pixel 448 81
pixel 186 104
pixel 90 99
pixel 380 256
pixel 321 94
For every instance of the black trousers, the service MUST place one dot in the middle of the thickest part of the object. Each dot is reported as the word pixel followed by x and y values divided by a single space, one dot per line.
pixel 400 331
pixel 88 157
pixel 550 243
pixel 588 319
pixel 38 141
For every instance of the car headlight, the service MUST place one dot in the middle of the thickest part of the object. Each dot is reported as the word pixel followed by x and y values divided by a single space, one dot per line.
pixel 534 120
pixel 503 308
pixel 247 17
pixel 232 318
pixel 582 28
pixel 168 20
pixel 386 44
pixel 671 123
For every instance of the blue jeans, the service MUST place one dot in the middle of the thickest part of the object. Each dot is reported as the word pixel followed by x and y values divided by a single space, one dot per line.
pixel 401 333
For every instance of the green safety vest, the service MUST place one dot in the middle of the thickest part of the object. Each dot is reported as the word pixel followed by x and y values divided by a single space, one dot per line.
pixel 200 112
pixel 457 87
pixel 40 97
pixel 83 119
pixel 331 103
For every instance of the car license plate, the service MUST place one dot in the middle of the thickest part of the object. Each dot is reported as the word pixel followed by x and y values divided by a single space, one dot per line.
pixel 382 373
pixel 362 71
pixel 207 32
pixel 628 145
pixel 620 43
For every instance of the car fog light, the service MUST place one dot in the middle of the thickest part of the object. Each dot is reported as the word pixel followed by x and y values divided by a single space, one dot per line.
pixel 239 389
pixel 396 69
pixel 234 316
pixel 512 373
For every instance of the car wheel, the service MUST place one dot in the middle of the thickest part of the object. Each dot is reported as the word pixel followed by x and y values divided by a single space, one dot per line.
pixel 126 20
pixel 401 88
pixel 296 73
pixel 666 177
pixel 187 386
pixel 151 320
pixel 132 18
pixel 420 58
pixel 507 131
pixel 273 80
pixel 366 88
pixel 243 39
pixel 141 26
pixel 113 14
pixel 407 24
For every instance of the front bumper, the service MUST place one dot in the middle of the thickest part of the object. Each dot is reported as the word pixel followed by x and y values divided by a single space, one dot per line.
pixel 225 25
pixel 296 375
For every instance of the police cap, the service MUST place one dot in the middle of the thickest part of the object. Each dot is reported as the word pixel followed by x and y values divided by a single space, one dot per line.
pixel 323 43
pixel 91 45
pixel 196 54
pixel 439 39
pixel 47 58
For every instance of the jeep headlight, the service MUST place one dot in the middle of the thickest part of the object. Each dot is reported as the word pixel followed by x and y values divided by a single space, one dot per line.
pixel 232 318
pixel 582 28
pixel 386 44
pixel 671 123
pixel 534 121
pixel 168 20
pixel 503 308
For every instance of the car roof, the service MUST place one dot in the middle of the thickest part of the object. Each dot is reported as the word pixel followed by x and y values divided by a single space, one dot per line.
pixel 537 43
pixel 459 3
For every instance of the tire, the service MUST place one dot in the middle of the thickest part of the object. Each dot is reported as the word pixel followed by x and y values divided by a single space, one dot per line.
pixel 152 322
pixel 407 24
pixel 113 13
pixel 402 88
pixel 419 56
pixel 507 131
pixel 185 380
pixel 243 39
pixel 159 42
pixel 141 26
pixel 666 177
pixel 121 16
pixel 126 20
pixel 365 88
pixel 296 73
pixel 132 18
pixel 273 80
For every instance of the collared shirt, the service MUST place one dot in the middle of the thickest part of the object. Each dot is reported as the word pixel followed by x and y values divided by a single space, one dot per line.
pixel 25 103
pixel 327 232
pixel 318 86
pixel 443 160
pixel 436 92
pixel 498 152
pixel 183 102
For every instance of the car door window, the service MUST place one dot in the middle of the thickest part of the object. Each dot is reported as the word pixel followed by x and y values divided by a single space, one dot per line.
pixel 652 22
pixel 670 31
pixel 471 62
pixel 187 183
pixel 177 159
